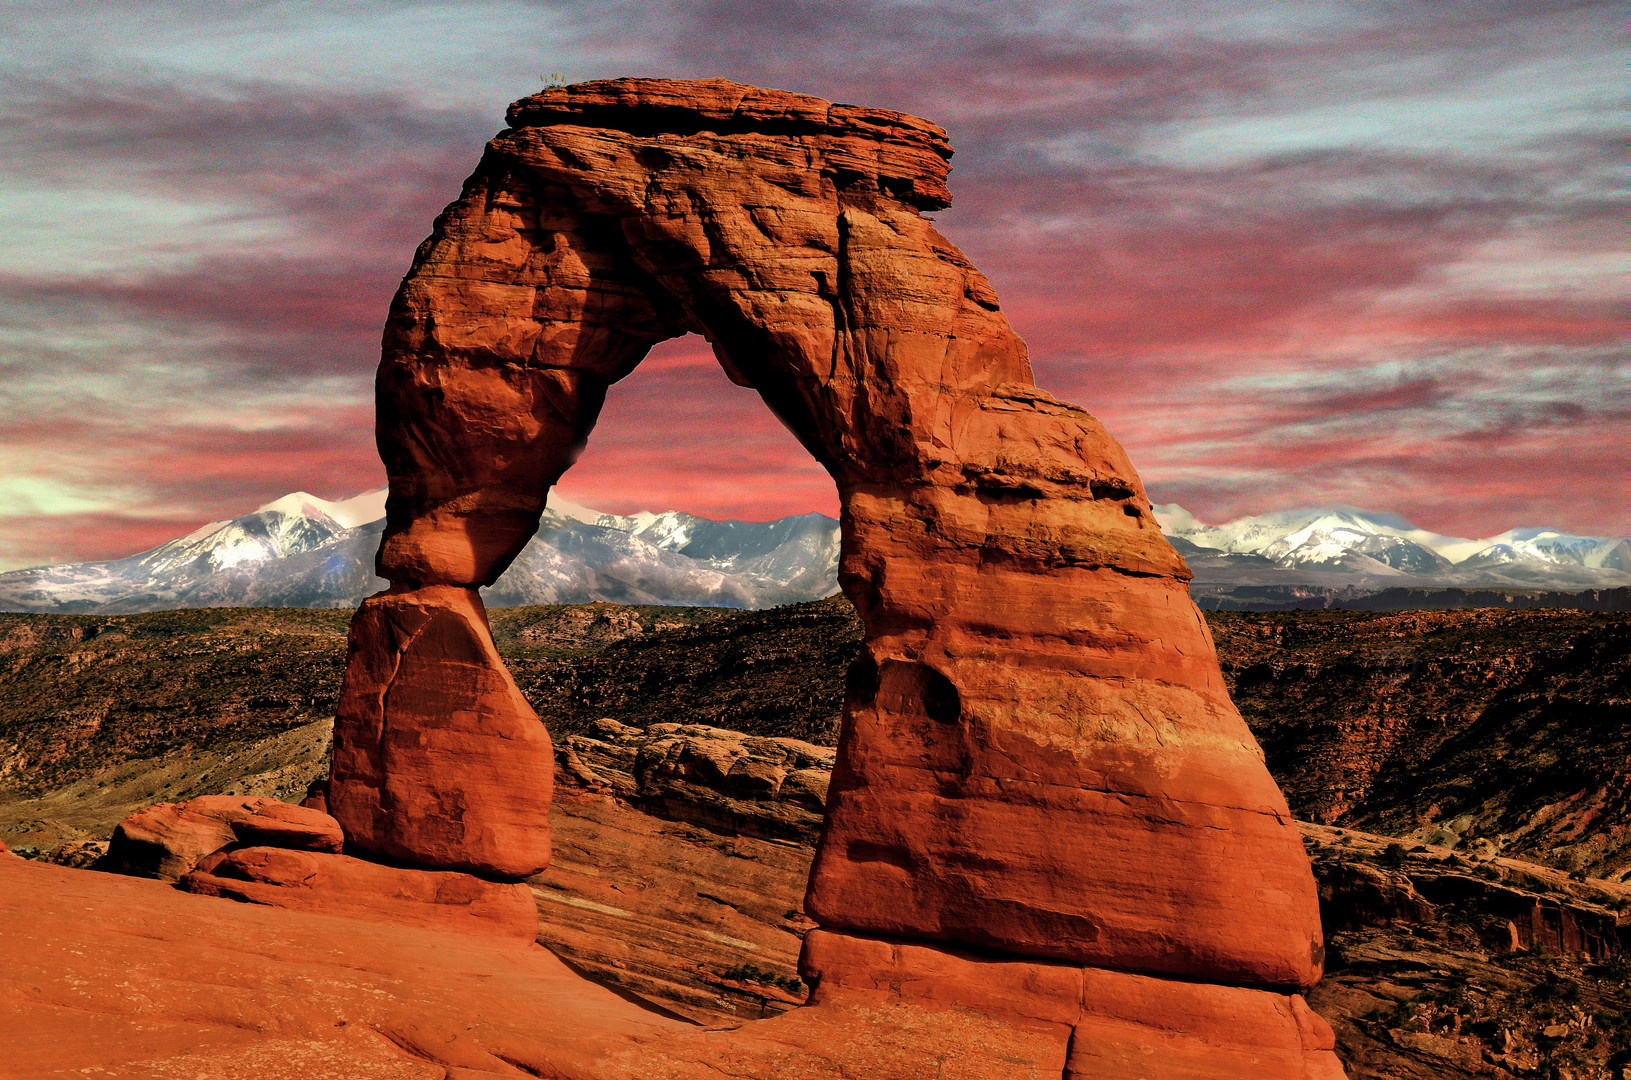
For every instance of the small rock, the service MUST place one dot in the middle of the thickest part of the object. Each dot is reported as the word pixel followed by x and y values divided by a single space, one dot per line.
pixel 615 729
pixel 78 854
pixel 567 758
pixel 317 795
pixel 1436 1046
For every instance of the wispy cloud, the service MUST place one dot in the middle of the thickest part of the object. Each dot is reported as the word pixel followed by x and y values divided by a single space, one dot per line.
pixel 1291 253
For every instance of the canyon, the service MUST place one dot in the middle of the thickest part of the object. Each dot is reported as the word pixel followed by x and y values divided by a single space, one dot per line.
pixel 1502 732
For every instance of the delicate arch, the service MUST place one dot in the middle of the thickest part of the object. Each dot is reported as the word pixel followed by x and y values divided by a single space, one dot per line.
pixel 1038 755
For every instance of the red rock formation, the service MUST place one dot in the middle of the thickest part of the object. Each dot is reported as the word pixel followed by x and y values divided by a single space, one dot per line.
pixel 341 885
pixel 167 839
pixel 438 759
pixel 1038 755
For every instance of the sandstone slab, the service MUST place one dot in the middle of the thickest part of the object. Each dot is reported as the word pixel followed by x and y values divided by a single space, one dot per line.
pixel 342 885
pixel 131 977
pixel 669 911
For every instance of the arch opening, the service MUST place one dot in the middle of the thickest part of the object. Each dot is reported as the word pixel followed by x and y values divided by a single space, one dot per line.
pixel 677 434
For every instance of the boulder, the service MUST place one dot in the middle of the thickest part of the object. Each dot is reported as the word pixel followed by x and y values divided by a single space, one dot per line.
pixel 438 760
pixel 79 854
pixel 771 788
pixel 166 840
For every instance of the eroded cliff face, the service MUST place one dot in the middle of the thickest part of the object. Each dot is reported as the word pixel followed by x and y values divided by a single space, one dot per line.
pixel 1038 755
pixel 1502 732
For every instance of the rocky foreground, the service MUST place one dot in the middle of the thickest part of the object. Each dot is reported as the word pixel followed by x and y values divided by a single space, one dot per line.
pixel 123 976
pixel 682 854
pixel 682 850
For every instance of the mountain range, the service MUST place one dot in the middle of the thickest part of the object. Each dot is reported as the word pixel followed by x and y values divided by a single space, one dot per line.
pixel 1344 547
pixel 303 551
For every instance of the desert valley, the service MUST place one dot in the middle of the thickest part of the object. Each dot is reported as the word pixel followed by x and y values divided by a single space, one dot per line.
pixel 1460 778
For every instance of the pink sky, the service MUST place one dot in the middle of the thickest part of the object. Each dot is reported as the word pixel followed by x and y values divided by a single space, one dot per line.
pixel 1291 254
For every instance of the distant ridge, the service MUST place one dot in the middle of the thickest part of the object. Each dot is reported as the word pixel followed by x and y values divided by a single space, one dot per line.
pixel 1329 549
pixel 303 551
pixel 1303 598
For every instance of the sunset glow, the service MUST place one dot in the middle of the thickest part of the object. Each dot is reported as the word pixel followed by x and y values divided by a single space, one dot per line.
pixel 1290 254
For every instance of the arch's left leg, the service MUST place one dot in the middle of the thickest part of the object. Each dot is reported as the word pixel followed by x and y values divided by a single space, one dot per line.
pixel 497 354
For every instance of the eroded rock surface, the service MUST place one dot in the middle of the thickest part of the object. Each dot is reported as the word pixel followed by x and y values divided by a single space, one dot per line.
pixel 217 991
pixel 339 884
pixel 698 922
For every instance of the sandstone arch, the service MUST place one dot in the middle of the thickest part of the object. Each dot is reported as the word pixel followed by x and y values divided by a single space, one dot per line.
pixel 1038 759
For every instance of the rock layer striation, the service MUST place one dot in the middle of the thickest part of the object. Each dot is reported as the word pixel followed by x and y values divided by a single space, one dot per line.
pixel 1038 757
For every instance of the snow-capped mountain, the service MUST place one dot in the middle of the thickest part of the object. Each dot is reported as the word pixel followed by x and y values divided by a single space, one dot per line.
pixel 302 551
pixel 1548 547
pixel 671 558
pixel 1341 545
pixel 209 566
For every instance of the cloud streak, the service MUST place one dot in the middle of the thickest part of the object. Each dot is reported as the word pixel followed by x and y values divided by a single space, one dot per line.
pixel 1290 253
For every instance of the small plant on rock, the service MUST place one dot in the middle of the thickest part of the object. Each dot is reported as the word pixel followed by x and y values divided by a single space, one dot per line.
pixel 753 973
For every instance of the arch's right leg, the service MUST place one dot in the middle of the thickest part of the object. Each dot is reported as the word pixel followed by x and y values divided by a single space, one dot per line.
pixel 482 403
